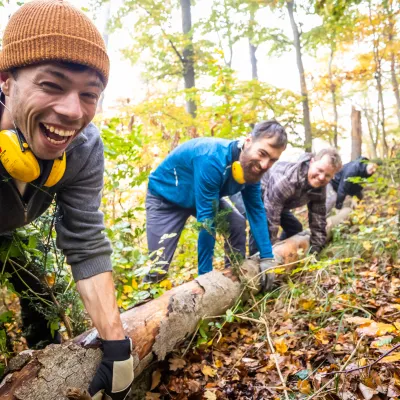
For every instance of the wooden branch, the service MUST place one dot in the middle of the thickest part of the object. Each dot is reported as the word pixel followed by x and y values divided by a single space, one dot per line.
pixel 156 328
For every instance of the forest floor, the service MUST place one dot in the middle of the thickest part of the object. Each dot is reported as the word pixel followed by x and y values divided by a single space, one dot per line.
pixel 325 318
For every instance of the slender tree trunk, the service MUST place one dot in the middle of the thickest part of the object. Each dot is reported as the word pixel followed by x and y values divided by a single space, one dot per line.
pixel 356 133
pixel 303 84
pixel 372 144
pixel 105 37
pixel 252 48
pixel 395 82
pixel 332 88
pixel 378 78
pixel 188 62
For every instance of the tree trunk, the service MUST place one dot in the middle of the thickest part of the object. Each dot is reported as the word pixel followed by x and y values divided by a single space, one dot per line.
pixel 188 62
pixel 106 38
pixel 356 133
pixel 332 88
pixel 156 328
pixel 303 84
pixel 372 144
pixel 252 48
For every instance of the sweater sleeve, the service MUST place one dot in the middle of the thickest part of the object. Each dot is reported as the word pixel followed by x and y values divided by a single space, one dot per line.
pixel 208 179
pixel 257 218
pixel 80 223
pixel 276 194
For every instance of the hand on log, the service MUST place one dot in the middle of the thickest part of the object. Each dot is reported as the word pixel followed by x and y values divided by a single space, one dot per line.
pixel 78 394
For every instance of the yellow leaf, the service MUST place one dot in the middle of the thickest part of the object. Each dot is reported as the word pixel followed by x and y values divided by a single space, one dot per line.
pixel 322 336
pixel 304 386
pixel 209 395
pixel 218 363
pixel 307 304
pixel 127 289
pixel 50 279
pixel 155 379
pixel 119 303
pixel 166 283
pixel 134 284
pixel 367 245
pixel 359 320
pixel 208 371
pixel 391 358
pixel 281 346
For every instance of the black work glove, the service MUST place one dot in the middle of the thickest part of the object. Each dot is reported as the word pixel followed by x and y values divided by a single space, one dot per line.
pixel 114 377
pixel 267 278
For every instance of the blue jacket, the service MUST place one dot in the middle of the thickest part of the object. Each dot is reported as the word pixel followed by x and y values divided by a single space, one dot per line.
pixel 196 175
pixel 343 187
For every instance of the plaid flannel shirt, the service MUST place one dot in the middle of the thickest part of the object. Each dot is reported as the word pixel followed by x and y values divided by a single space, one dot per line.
pixel 285 187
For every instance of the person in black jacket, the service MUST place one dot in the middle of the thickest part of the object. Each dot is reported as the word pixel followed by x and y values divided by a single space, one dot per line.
pixel 341 186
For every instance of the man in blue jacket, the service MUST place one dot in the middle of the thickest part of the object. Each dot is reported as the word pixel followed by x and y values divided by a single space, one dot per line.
pixel 341 186
pixel 192 181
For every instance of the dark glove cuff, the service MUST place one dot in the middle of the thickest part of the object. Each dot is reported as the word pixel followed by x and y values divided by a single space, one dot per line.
pixel 117 350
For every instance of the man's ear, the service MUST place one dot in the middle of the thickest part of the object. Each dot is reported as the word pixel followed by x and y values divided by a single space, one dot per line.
pixel 247 142
pixel 5 78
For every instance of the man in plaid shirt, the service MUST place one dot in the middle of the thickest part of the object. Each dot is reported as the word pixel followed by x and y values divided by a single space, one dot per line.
pixel 289 185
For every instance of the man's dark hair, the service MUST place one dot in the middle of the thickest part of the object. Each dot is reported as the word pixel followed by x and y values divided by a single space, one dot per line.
pixel 271 129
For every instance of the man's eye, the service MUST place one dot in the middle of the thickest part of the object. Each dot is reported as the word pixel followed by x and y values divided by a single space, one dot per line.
pixel 50 85
pixel 91 96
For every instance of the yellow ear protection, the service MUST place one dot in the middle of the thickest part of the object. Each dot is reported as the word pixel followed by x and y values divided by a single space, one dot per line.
pixel 20 163
pixel 238 173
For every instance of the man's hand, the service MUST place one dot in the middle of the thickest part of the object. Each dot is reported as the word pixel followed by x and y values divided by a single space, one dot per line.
pixel 114 376
pixel 267 278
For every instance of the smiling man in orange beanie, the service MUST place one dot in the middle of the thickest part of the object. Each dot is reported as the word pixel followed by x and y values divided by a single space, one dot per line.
pixel 53 70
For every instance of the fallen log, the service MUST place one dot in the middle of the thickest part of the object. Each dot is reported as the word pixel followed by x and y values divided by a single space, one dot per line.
pixel 156 328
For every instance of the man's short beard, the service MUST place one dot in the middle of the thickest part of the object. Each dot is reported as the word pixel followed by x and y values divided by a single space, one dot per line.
pixel 247 164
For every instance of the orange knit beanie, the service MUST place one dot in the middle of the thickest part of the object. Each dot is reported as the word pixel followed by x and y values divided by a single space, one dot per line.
pixel 52 30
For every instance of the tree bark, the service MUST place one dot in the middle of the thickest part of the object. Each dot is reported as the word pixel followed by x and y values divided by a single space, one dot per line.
pixel 303 84
pixel 332 88
pixel 252 48
pixel 188 53
pixel 156 328
pixel 356 133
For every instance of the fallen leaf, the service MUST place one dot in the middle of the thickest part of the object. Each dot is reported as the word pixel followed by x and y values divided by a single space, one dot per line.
pixel 155 379
pixel 367 392
pixel 307 304
pixel 127 289
pixel 208 371
pixel 176 363
pixel 281 346
pixel 152 396
pixel 218 363
pixel 391 358
pixel 304 386
pixel 209 395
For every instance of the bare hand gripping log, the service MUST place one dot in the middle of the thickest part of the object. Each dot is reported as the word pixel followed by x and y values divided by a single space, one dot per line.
pixel 156 328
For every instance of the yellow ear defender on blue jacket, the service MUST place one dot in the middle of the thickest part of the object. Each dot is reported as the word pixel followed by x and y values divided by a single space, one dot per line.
pixel 238 173
pixel 20 163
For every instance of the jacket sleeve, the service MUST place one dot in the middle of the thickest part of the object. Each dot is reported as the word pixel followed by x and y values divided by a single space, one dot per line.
pixel 257 218
pixel 276 193
pixel 80 223
pixel 317 222
pixel 208 179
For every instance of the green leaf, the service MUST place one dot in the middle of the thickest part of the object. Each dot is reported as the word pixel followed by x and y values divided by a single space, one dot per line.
pixel 303 374
pixel 6 317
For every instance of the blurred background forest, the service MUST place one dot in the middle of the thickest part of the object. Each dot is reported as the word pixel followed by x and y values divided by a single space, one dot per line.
pixel 326 69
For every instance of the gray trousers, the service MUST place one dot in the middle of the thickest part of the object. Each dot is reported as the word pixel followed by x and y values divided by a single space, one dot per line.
pixel 163 217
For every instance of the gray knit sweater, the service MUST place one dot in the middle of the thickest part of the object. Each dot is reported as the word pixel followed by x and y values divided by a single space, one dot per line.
pixel 79 224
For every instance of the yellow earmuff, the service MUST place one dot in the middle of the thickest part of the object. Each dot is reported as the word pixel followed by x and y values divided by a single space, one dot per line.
pixel 238 173
pixel 57 171
pixel 20 163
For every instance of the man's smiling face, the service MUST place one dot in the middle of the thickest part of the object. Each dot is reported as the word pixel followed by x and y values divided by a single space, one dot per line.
pixel 50 104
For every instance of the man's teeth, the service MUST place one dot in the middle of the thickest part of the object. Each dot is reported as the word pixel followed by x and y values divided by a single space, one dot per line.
pixel 56 141
pixel 60 132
